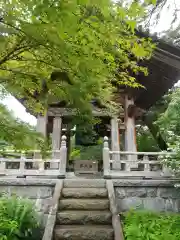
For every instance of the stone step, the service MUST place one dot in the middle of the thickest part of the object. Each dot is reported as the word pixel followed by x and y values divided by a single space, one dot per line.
pixel 84 183
pixel 84 204
pixel 84 217
pixel 84 193
pixel 86 232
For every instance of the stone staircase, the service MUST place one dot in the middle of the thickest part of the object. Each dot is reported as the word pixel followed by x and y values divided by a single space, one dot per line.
pixel 84 212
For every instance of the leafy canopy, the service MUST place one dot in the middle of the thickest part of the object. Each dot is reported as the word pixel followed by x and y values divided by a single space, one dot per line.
pixel 17 134
pixel 69 51
pixel 166 115
pixel 145 140
pixel 169 123
pixel 87 45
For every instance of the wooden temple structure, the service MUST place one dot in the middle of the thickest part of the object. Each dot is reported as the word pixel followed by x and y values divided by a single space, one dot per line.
pixel 164 72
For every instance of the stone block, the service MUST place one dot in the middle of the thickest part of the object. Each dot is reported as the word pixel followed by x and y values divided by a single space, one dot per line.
pixel 87 166
pixel 144 183
pixel 4 190
pixel 84 183
pixel 129 203
pixel 43 218
pixel 84 217
pixel 29 181
pixel 156 195
pixel 169 193
pixel 170 205
pixel 177 205
pixel 67 232
pixel 130 192
pixel 44 205
pixel 84 204
pixel 136 192
pixel 154 204
pixel 31 192
pixel 151 192
pixel 120 193
pixel 84 193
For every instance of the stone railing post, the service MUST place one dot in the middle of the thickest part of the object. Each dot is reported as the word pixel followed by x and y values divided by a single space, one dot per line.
pixel 63 157
pixel 37 155
pixel 128 163
pixel 3 167
pixel 146 163
pixel 106 158
pixel 22 162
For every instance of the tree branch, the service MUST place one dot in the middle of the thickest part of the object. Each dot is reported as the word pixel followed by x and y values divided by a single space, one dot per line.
pixel 19 72
pixel 16 48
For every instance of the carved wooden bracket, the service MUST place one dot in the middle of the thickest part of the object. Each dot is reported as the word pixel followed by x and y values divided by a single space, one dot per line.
pixel 134 111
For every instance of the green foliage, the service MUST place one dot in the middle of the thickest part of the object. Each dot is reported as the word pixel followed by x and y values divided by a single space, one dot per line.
pixel 166 115
pixel 144 225
pixel 169 123
pixel 89 44
pixel 170 119
pixel 75 154
pixel 145 141
pixel 66 51
pixel 86 134
pixel 18 218
pixel 87 153
pixel 79 152
pixel 16 133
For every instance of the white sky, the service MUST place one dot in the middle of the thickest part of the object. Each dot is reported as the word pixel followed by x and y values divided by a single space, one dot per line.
pixel 20 111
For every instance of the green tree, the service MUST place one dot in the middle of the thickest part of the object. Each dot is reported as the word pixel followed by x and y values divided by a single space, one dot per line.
pixel 17 134
pixel 145 140
pixel 170 118
pixel 70 50
pixel 167 118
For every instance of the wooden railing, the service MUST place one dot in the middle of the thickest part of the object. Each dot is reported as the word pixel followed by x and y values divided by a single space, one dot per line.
pixel 22 164
pixel 142 164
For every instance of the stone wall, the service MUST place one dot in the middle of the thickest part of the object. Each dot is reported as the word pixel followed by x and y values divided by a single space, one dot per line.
pixel 37 190
pixel 157 195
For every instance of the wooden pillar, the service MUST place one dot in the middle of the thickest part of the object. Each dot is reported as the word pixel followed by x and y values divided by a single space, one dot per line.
pixel 115 143
pixel 56 134
pixel 42 124
pixel 56 140
pixel 130 131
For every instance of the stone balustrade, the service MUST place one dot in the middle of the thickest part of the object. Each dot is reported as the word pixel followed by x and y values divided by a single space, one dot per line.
pixel 135 164
pixel 31 163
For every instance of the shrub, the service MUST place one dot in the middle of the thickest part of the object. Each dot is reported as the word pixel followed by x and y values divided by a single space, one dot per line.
pixel 87 152
pixel 144 225
pixel 18 219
